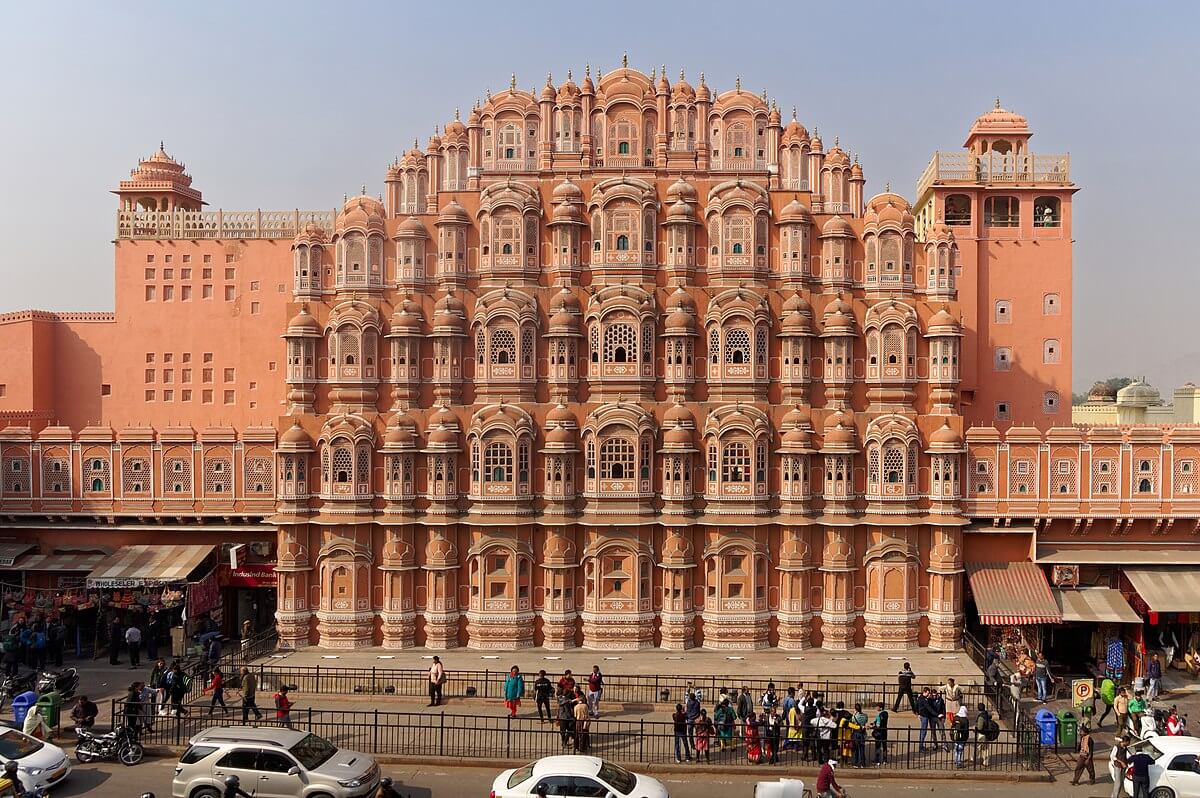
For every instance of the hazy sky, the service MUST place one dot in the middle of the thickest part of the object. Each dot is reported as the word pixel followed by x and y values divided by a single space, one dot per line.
pixel 293 104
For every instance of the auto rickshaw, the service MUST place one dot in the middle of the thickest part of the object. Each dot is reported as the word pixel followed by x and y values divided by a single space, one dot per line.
pixel 7 790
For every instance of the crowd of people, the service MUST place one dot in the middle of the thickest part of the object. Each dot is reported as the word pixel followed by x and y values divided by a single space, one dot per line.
pixel 36 642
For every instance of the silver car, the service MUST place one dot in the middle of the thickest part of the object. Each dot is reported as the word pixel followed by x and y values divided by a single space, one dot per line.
pixel 272 763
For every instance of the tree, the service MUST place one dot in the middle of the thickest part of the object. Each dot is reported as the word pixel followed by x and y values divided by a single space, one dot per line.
pixel 1112 383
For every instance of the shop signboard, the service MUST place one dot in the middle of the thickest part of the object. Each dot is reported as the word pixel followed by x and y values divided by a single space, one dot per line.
pixel 1083 691
pixel 248 575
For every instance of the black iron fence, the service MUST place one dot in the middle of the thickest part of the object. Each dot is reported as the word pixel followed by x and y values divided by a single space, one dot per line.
pixel 444 734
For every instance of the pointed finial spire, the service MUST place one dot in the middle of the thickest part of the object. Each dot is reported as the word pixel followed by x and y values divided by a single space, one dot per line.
pixel 364 189
pixel 681 73
pixel 653 74
pixel 437 130
pixel 764 95
pixel 702 78
pixel 568 73
pixel 487 93
pixel 625 60
pixel 997 102
pixel 549 78
pixel 856 157
pixel 836 141
pixel 414 142
pixel 794 114
pixel 887 186
pixel 587 70
pixel 512 82
pixel 664 70
pixel 161 146
pixel 456 119
pixel 345 198
pixel 737 84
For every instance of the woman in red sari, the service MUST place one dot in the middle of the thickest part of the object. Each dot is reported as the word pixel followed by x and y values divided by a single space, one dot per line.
pixel 753 744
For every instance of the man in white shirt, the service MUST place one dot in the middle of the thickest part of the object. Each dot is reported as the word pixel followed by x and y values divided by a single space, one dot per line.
pixel 133 639
pixel 437 677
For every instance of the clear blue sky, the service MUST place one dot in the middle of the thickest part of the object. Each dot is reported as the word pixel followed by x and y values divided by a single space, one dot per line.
pixel 279 105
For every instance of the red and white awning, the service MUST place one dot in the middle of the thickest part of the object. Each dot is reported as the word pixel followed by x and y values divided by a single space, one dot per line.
pixel 141 566
pixel 1012 593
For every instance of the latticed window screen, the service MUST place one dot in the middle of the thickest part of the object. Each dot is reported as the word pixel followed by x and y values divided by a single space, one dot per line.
pixel 177 474
pixel 737 234
pixel 1062 477
pixel 504 346
pixel 911 466
pixel 620 343
pixel 497 463
pixel 735 462
pixel 647 342
pixel 760 346
pixel 893 345
pixel 737 346
pixel 343 467
pixel 1185 477
pixel 714 345
pixel 362 468
pixel 217 475
pixel 480 346
pixel 873 472
pixel 617 459
pixel 981 475
pixel 16 476
pixel 56 475
pixel 526 346
pixel 135 475
pixel 1021 477
pixel 95 470
pixel 258 475
pixel 893 464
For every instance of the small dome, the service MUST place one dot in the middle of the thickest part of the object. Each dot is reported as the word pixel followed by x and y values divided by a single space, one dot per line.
pixel 839 436
pixel 680 321
pixel 797 438
pixel 794 553
pixel 558 549
pixel 548 95
pixel 679 414
pixel 399 436
pixel 449 304
pixel 443 437
pixel 440 552
pixel 677 436
pixel 837 226
pixel 682 91
pixel 561 436
pixel 836 157
pixel 1138 394
pixel 560 414
pixel 681 212
pixel 794 132
pixel 815 142
pixel 564 300
pixel 361 213
pixel 567 191
pixel 798 416
pixel 434 144
pixel 412 159
pixel 455 133
pixel 568 212
pixel 677 549
pixel 942 321
pixel 856 170
pixel 312 233
pixel 411 228
pixel 703 94
pixel 445 417
pixel 295 436
pixel 1000 120
pixel 681 300
pixel 304 323
pixel 681 190
pixel 795 212
pixel 838 316
pixel 563 322
pixel 405 320
pixel 453 213
pixel 773 117
pixel 568 90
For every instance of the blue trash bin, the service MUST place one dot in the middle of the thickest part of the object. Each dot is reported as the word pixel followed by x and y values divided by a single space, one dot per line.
pixel 1047 725
pixel 21 704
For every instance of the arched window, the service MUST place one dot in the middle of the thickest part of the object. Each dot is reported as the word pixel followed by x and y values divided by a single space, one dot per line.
pixel 737 346
pixel 623 148
pixel 622 243
pixel 1046 212
pixel 1002 212
pixel 958 209
pixel 342 464
pixel 1144 486
pixel 504 346
pixel 735 463
pixel 98 485
pixel 620 344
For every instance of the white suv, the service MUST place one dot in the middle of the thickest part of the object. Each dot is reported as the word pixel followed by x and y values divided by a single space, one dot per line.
pixel 272 763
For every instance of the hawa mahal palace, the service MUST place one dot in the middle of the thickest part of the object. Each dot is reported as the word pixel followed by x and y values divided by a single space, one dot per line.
pixel 622 363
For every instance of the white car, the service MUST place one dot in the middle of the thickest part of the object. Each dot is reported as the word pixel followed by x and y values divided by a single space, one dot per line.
pixel 40 765
pixel 583 776
pixel 1175 772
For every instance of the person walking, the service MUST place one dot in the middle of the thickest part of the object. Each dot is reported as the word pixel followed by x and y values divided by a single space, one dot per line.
pixel 879 733
pixel 543 689
pixel 157 673
pixel 1086 759
pixel 514 690
pixel 595 689
pixel 704 735
pixel 1119 760
pixel 178 683
pixel 250 696
pixel 1041 677
pixel 437 678
pixel 1108 694
pixel 1140 763
pixel 959 731
pixel 952 694
pixel 679 727
pixel 283 707
pixel 216 686
pixel 133 641
pixel 566 716
pixel 1154 677
pixel 984 734
pixel 1121 706
pixel 153 633
pixel 583 722
pixel 904 687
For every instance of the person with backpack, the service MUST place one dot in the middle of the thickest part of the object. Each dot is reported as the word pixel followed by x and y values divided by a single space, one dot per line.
pixel 987 731
pixel 725 718
pixel 543 688
pixel 178 684
pixel 283 707
pixel 904 687
pixel 514 690
pixel 1108 694
pixel 595 689
pixel 691 710
pixel 879 733
pixel 770 698
pixel 1086 758
pixel 960 730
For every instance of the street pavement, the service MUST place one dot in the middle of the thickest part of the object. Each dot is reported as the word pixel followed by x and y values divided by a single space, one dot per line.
pixel 111 780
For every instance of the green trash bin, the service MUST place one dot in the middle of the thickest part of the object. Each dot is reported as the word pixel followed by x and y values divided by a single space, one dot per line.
pixel 49 704
pixel 1068 730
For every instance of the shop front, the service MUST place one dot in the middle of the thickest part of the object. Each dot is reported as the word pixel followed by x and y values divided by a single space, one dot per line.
pixel 175 586
pixel 1168 598
pixel 247 594
pixel 1012 607
pixel 56 587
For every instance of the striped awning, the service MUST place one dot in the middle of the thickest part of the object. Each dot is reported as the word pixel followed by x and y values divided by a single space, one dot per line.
pixel 9 552
pixel 1167 589
pixel 1095 604
pixel 1012 593
pixel 141 566
pixel 60 561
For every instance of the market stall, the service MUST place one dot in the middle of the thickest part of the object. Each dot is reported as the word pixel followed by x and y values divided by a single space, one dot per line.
pixel 1013 601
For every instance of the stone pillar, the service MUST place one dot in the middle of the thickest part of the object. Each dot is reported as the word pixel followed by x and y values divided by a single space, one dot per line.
pixel 398 615
pixel 838 568
pixel 945 611
pixel 293 615
pixel 795 592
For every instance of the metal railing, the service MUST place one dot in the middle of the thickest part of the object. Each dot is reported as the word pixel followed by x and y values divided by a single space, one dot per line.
pixel 477 736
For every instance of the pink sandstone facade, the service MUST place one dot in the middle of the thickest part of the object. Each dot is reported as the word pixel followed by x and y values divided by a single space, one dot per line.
pixel 616 364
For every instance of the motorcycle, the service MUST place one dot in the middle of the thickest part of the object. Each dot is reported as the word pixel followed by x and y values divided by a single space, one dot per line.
pixel 15 685
pixel 64 682
pixel 121 743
